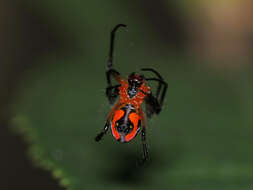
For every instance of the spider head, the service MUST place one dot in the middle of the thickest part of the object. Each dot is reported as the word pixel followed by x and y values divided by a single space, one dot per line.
pixel 135 80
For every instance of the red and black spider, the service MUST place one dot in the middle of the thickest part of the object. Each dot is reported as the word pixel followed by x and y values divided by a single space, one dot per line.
pixel 127 117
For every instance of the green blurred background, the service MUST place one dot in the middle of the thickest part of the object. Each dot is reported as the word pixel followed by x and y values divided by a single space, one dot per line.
pixel 52 84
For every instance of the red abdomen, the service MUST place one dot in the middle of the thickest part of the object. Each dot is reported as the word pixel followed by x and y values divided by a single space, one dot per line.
pixel 125 123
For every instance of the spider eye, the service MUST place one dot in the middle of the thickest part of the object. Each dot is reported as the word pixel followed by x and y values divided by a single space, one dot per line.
pixel 131 127
pixel 117 124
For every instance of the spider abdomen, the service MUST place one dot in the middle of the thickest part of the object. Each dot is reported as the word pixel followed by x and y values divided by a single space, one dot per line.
pixel 125 123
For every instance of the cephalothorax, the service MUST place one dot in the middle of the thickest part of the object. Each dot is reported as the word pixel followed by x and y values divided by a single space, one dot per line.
pixel 127 118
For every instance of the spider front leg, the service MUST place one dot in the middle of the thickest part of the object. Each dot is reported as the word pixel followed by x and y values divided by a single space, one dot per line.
pixel 112 91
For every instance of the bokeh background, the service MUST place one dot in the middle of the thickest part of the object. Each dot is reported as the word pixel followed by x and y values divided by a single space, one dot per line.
pixel 52 102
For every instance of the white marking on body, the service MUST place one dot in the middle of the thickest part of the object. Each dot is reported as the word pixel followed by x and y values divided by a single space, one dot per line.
pixel 128 110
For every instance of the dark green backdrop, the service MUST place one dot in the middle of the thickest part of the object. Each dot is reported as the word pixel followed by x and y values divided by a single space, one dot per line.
pixel 201 140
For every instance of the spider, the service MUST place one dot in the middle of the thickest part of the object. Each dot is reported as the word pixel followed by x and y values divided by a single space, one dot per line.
pixel 126 118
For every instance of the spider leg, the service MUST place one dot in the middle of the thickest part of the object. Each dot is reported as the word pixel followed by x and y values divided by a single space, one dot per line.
pixel 143 137
pixel 110 60
pixel 158 75
pixel 101 134
pixel 144 145
pixel 161 83
pixel 107 124
pixel 112 73
pixel 154 103
pixel 160 80
pixel 112 93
